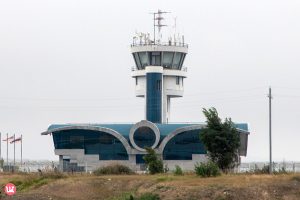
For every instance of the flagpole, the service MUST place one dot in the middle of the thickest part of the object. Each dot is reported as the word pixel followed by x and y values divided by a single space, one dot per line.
pixel 14 151
pixel 7 149
pixel 0 146
pixel 21 150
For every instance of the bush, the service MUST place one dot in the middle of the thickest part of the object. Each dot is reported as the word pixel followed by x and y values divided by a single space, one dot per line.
pixel 207 169
pixel 178 171
pixel 113 169
pixel 149 196
pixel 154 164
pixel 145 196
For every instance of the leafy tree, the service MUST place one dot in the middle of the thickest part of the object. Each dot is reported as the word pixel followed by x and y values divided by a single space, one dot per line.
pixel 154 164
pixel 221 139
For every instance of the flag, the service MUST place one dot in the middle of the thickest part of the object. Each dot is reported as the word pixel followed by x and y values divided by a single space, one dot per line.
pixel 16 140
pixel 10 138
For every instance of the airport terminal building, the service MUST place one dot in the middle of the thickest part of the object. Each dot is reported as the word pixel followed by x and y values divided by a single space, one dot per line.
pixel 159 76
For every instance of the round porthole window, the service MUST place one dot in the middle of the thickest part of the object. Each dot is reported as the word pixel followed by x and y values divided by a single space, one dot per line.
pixel 144 134
pixel 144 137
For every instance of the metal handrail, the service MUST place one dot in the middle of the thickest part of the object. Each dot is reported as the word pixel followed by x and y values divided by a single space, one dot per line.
pixel 182 69
pixel 179 44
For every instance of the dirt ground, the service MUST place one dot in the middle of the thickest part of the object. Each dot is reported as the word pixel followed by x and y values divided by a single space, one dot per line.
pixel 169 187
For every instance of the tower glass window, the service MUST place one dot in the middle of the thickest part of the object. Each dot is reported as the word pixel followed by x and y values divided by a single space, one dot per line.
pixel 176 60
pixel 144 58
pixel 156 58
pixel 182 60
pixel 137 60
pixel 167 59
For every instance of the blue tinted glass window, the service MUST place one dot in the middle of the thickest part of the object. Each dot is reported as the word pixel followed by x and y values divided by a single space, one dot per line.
pixel 144 137
pixel 183 145
pixel 105 145
pixel 154 97
pixel 139 159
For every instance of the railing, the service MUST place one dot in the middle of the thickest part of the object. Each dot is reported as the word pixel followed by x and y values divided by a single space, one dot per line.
pixel 176 44
pixel 182 69
pixel 277 166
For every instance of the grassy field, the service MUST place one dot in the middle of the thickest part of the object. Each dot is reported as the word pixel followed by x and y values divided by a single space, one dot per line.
pixel 242 186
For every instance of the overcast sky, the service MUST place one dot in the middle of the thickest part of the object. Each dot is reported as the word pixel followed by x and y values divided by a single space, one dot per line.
pixel 65 61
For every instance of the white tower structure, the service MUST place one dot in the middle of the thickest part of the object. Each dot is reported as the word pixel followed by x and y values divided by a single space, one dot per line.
pixel 159 71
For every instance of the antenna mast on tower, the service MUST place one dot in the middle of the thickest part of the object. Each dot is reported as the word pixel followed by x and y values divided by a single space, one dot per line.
pixel 157 16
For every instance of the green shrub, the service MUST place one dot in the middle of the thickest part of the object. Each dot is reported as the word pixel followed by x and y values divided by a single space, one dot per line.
pixel 149 196
pixel 178 171
pixel 113 169
pixel 145 196
pixel 154 164
pixel 207 169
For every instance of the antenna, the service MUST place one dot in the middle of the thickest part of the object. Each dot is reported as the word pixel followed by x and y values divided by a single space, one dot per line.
pixel 157 16
pixel 175 24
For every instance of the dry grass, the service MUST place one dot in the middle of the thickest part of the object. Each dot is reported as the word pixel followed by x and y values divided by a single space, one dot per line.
pixel 167 186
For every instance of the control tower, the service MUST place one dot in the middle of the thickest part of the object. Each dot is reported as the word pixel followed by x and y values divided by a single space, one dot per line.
pixel 159 73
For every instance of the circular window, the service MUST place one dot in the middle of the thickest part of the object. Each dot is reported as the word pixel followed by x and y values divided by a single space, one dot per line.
pixel 144 137
pixel 144 134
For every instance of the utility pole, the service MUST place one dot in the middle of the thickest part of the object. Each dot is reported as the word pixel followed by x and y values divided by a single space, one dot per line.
pixel 270 129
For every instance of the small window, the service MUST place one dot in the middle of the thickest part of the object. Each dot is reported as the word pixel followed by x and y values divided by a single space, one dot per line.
pixel 158 85
pixel 136 81
pixel 182 81
pixel 177 80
